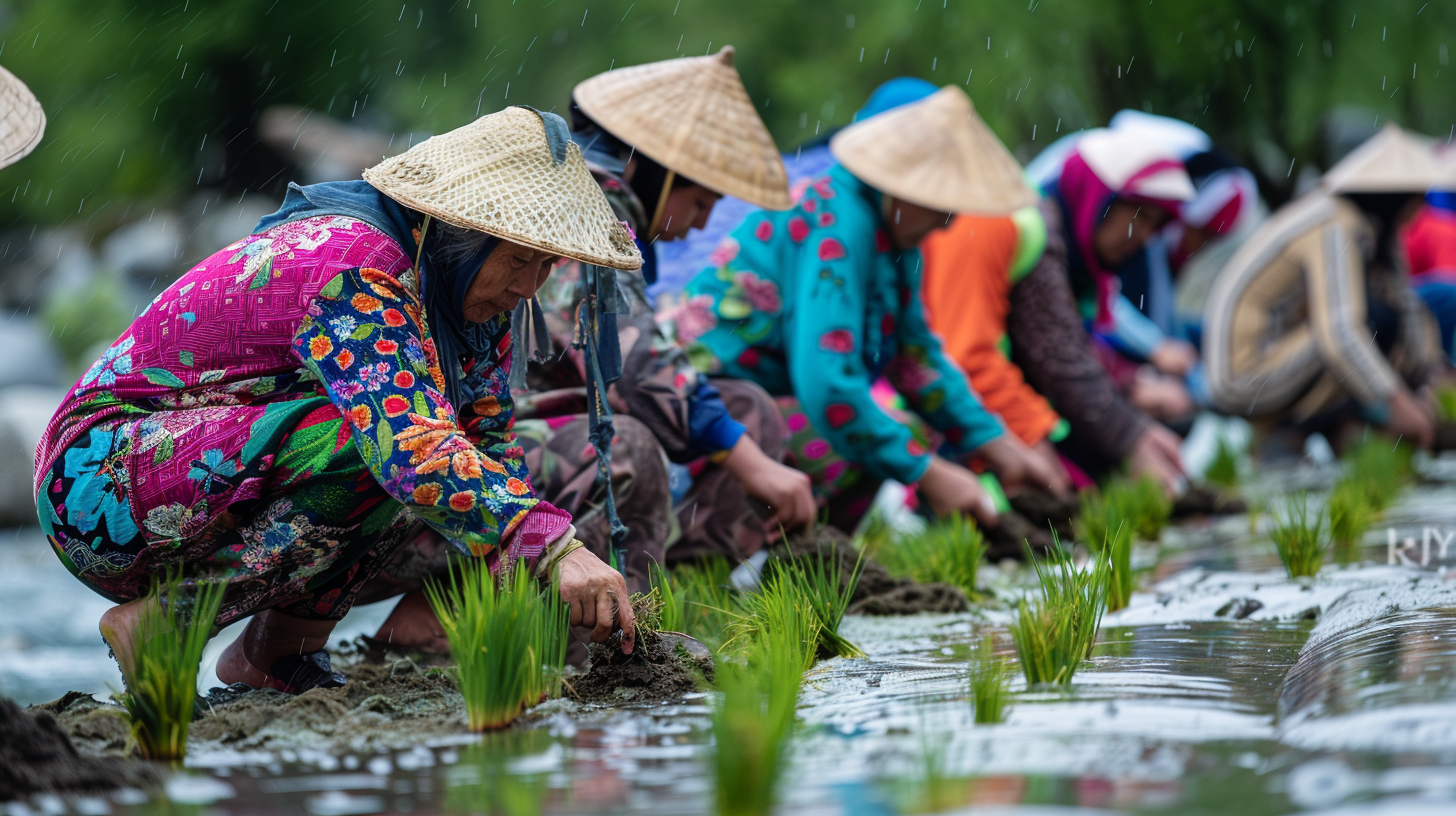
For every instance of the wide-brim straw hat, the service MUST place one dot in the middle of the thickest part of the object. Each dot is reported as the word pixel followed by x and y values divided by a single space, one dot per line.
pixel 1132 162
pixel 22 121
pixel 498 175
pixel 1392 161
pixel 693 116
pixel 936 153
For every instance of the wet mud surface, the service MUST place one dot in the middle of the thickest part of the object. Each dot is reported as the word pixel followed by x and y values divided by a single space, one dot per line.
pixel 663 666
pixel 36 756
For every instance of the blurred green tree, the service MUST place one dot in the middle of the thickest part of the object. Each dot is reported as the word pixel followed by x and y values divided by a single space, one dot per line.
pixel 149 99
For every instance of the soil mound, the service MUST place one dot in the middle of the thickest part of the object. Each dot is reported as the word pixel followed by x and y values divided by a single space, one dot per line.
pixel 384 706
pixel 878 592
pixel 36 757
pixel 1207 500
pixel 1014 533
pixel 1046 511
pixel 663 666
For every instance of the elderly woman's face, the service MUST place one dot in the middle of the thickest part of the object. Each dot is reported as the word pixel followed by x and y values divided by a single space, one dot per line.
pixel 1125 229
pixel 510 274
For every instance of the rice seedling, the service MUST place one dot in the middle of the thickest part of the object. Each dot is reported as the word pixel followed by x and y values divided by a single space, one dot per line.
pixel 1141 505
pixel 1300 544
pixel 752 721
pixel 778 610
pixel 816 582
pixel 503 633
pixel 1151 508
pixel 671 614
pixel 1055 631
pixel 1446 403
pixel 990 676
pixel 161 682
pixel 709 603
pixel 1224 469
pixel 1380 468
pixel 1349 514
pixel 1121 580
pixel 948 551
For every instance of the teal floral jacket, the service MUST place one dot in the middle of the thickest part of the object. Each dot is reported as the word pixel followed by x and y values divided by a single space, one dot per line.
pixel 815 302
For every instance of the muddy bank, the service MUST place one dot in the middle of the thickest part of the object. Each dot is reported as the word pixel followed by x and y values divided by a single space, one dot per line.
pixel 663 666
pixel 878 592
pixel 37 757
pixel 384 706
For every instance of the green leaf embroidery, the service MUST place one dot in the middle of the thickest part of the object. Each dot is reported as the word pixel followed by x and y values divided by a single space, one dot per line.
pixel 364 331
pixel 164 450
pixel 734 308
pixel 213 376
pixel 385 435
pixel 422 406
pixel 333 288
pixel 260 279
pixel 161 376
pixel 185 357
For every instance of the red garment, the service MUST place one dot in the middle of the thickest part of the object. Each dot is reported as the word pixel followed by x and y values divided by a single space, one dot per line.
pixel 1430 242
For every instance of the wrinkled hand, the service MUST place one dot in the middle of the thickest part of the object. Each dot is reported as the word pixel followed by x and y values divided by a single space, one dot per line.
pixel 1174 357
pixel 1157 454
pixel 1412 418
pixel 597 595
pixel 949 489
pixel 786 491
pixel 1019 467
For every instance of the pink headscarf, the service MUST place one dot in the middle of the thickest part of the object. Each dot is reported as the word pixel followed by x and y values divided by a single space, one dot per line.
pixel 1087 197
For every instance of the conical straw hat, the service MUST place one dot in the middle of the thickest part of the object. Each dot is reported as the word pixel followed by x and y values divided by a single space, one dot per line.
pixel 21 119
pixel 498 175
pixel 936 153
pixel 1391 161
pixel 692 116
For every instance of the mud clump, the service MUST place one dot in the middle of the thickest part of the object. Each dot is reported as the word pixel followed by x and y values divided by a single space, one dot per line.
pixel 1207 500
pixel 878 592
pixel 663 666
pixel 37 757
pixel 1013 534
pixel 1047 511
pixel 386 706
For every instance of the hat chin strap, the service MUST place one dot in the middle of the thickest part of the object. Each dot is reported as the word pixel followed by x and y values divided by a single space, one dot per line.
pixel 657 212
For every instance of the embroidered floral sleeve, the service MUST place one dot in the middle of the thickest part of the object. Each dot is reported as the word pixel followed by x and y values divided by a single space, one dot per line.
pixel 364 338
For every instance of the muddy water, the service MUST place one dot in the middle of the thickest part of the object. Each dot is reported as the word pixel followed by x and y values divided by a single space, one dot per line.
pixel 1223 688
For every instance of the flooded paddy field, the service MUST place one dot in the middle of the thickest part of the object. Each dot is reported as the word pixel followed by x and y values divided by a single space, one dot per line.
pixel 1224 687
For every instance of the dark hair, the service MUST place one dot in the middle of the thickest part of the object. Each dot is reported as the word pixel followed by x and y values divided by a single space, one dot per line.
pixel 1383 209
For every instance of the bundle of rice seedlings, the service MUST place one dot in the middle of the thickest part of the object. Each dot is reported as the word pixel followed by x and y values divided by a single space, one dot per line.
pixel 948 551
pixel 816 582
pixel 1350 515
pixel 1380 468
pixel 1224 469
pixel 1055 631
pixel 508 640
pixel 1151 508
pixel 1141 505
pixel 990 675
pixel 1301 545
pixel 779 610
pixel 161 682
pixel 752 721
pixel 709 603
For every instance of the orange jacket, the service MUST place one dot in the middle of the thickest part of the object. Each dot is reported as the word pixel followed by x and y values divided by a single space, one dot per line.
pixel 970 268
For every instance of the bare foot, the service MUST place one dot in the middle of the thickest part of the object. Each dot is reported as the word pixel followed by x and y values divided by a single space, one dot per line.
pixel 119 628
pixel 270 636
pixel 413 625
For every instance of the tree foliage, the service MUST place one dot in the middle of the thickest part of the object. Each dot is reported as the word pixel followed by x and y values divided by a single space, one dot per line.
pixel 149 99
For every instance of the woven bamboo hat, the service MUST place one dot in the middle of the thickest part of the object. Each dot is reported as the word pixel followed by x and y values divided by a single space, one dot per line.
pixel 936 153
pixel 22 122
pixel 692 116
pixel 1392 161
pixel 516 175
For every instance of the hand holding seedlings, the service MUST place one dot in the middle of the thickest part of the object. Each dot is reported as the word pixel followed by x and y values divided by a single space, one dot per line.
pixel 596 594
pixel 1019 466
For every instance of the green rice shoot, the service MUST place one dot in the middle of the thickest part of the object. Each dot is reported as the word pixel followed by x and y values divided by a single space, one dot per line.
pixel 1140 504
pixel 508 640
pixel 753 718
pixel 161 685
pixel 1223 471
pixel 779 610
pixel 949 551
pixel 815 579
pixel 1381 468
pixel 1055 630
pixel 1301 545
pixel 1350 515
pixel 671 614
pixel 990 675
pixel 1446 404
pixel 709 603
pixel 1122 580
